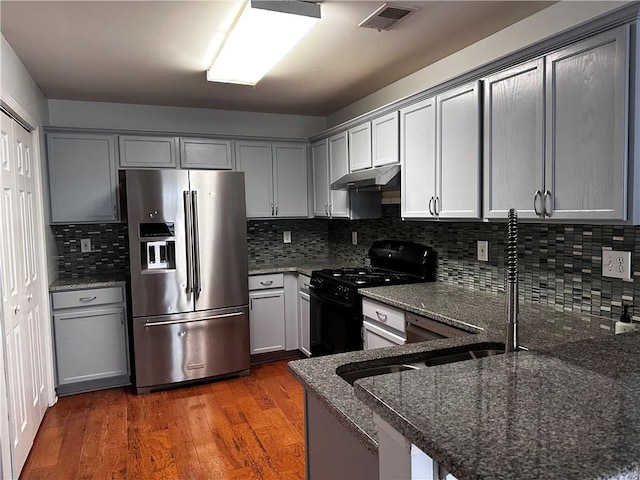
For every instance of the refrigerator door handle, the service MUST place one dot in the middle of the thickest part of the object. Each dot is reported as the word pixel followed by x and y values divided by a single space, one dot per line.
pixel 175 322
pixel 187 223
pixel 196 245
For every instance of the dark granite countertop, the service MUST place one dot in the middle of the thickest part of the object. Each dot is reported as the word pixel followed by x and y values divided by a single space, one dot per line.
pixel 305 267
pixel 542 329
pixel 92 281
pixel 570 413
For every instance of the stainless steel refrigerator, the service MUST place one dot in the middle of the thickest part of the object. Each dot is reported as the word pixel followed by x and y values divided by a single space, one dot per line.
pixel 188 254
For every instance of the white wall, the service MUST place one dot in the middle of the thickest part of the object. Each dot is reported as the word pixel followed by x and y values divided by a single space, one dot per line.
pixel 66 113
pixel 551 21
pixel 17 85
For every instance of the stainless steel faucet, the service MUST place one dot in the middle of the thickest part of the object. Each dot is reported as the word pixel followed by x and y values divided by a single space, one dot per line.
pixel 511 344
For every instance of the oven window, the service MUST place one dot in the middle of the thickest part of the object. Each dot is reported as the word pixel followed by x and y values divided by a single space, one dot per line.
pixel 335 327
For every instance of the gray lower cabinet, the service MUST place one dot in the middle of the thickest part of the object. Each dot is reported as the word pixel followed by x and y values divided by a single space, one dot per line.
pixel 91 339
pixel 266 313
pixel 83 182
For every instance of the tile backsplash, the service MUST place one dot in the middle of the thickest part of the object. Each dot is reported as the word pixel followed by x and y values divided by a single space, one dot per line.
pixel 558 264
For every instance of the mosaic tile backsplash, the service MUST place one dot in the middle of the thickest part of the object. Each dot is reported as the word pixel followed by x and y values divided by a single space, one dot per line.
pixel 110 245
pixel 559 265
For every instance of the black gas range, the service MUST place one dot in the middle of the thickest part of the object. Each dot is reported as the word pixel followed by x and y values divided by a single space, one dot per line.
pixel 336 306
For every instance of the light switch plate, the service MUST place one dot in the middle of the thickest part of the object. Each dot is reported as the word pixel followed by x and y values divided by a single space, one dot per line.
pixel 354 238
pixel 616 264
pixel 287 236
pixel 483 250
pixel 85 245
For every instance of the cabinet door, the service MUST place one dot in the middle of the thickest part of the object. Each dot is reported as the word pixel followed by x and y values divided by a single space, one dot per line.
pixel 320 164
pixel 385 140
pixel 254 159
pixel 147 152
pixel 418 158
pixel 90 345
pixel 514 141
pixel 458 153
pixel 266 318
pixel 338 167
pixel 205 153
pixel 83 184
pixel 304 326
pixel 586 170
pixel 360 147
pixel 290 180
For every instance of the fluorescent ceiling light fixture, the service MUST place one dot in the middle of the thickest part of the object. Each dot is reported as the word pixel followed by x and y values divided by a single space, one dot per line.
pixel 264 32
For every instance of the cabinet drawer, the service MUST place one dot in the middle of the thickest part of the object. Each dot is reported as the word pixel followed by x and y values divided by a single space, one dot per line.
pixel 304 282
pixel 384 314
pixel 260 282
pixel 88 297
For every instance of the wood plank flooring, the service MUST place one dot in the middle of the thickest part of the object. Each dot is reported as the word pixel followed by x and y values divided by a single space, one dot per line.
pixel 246 428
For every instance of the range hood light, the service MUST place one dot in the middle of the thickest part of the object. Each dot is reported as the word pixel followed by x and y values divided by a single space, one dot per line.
pixel 264 32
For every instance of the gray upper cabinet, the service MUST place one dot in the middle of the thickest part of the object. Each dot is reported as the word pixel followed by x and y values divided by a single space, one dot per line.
pixel 384 140
pixel 458 153
pixel 514 140
pixel 275 178
pixel 290 179
pixel 148 151
pixel 338 167
pixel 320 164
pixel 440 155
pixel 586 128
pixel 206 153
pixel 83 184
pixel 418 157
pixel 360 147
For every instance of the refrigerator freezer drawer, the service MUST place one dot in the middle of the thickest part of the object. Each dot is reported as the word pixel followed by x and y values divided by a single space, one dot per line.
pixel 179 348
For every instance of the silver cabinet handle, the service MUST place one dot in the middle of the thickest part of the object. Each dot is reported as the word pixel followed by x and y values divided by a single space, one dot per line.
pixel 381 316
pixel 545 195
pixel 330 209
pixel 430 206
pixel 251 304
pixel 536 195
pixel 326 209
pixel 276 209
pixel 305 285
pixel 436 206
pixel 272 210
pixel 16 310
pixel 30 297
pixel 196 245
pixel 87 299
pixel 266 282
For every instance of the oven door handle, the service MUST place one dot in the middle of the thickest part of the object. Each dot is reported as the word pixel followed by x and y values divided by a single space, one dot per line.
pixel 324 298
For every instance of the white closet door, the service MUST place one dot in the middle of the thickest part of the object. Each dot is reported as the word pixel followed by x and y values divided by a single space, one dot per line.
pixel 21 306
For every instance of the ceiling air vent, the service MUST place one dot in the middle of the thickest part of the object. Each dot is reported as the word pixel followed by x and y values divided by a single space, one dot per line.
pixel 387 16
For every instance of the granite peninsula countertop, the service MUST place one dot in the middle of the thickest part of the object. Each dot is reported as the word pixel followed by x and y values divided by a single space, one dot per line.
pixel 304 267
pixel 543 329
pixel 90 281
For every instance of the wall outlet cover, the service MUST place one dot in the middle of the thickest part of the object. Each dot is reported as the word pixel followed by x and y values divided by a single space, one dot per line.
pixel 354 238
pixel 287 236
pixel 85 245
pixel 616 264
pixel 483 250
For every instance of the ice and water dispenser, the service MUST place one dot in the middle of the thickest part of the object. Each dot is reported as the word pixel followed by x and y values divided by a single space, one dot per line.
pixel 157 246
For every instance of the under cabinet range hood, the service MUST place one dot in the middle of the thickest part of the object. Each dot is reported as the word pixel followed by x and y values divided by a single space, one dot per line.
pixel 379 178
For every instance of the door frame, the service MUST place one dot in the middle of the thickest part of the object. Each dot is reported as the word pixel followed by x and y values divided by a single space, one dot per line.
pixel 15 110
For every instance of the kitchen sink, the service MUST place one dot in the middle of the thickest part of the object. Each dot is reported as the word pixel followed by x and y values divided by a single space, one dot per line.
pixel 354 375
pixel 462 356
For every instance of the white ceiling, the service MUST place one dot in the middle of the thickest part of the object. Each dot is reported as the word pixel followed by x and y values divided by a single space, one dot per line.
pixel 150 52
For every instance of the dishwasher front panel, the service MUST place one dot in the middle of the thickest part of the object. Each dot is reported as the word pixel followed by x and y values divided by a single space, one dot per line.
pixel 193 346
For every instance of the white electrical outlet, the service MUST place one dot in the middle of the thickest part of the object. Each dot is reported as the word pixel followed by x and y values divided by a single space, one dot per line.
pixel 85 245
pixel 287 236
pixel 616 264
pixel 354 238
pixel 483 250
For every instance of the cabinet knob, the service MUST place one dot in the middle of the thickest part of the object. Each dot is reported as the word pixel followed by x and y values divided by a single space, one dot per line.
pixel 30 297
pixel 16 310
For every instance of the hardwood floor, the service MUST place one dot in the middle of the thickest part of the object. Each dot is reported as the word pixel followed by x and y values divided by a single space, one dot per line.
pixel 246 428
